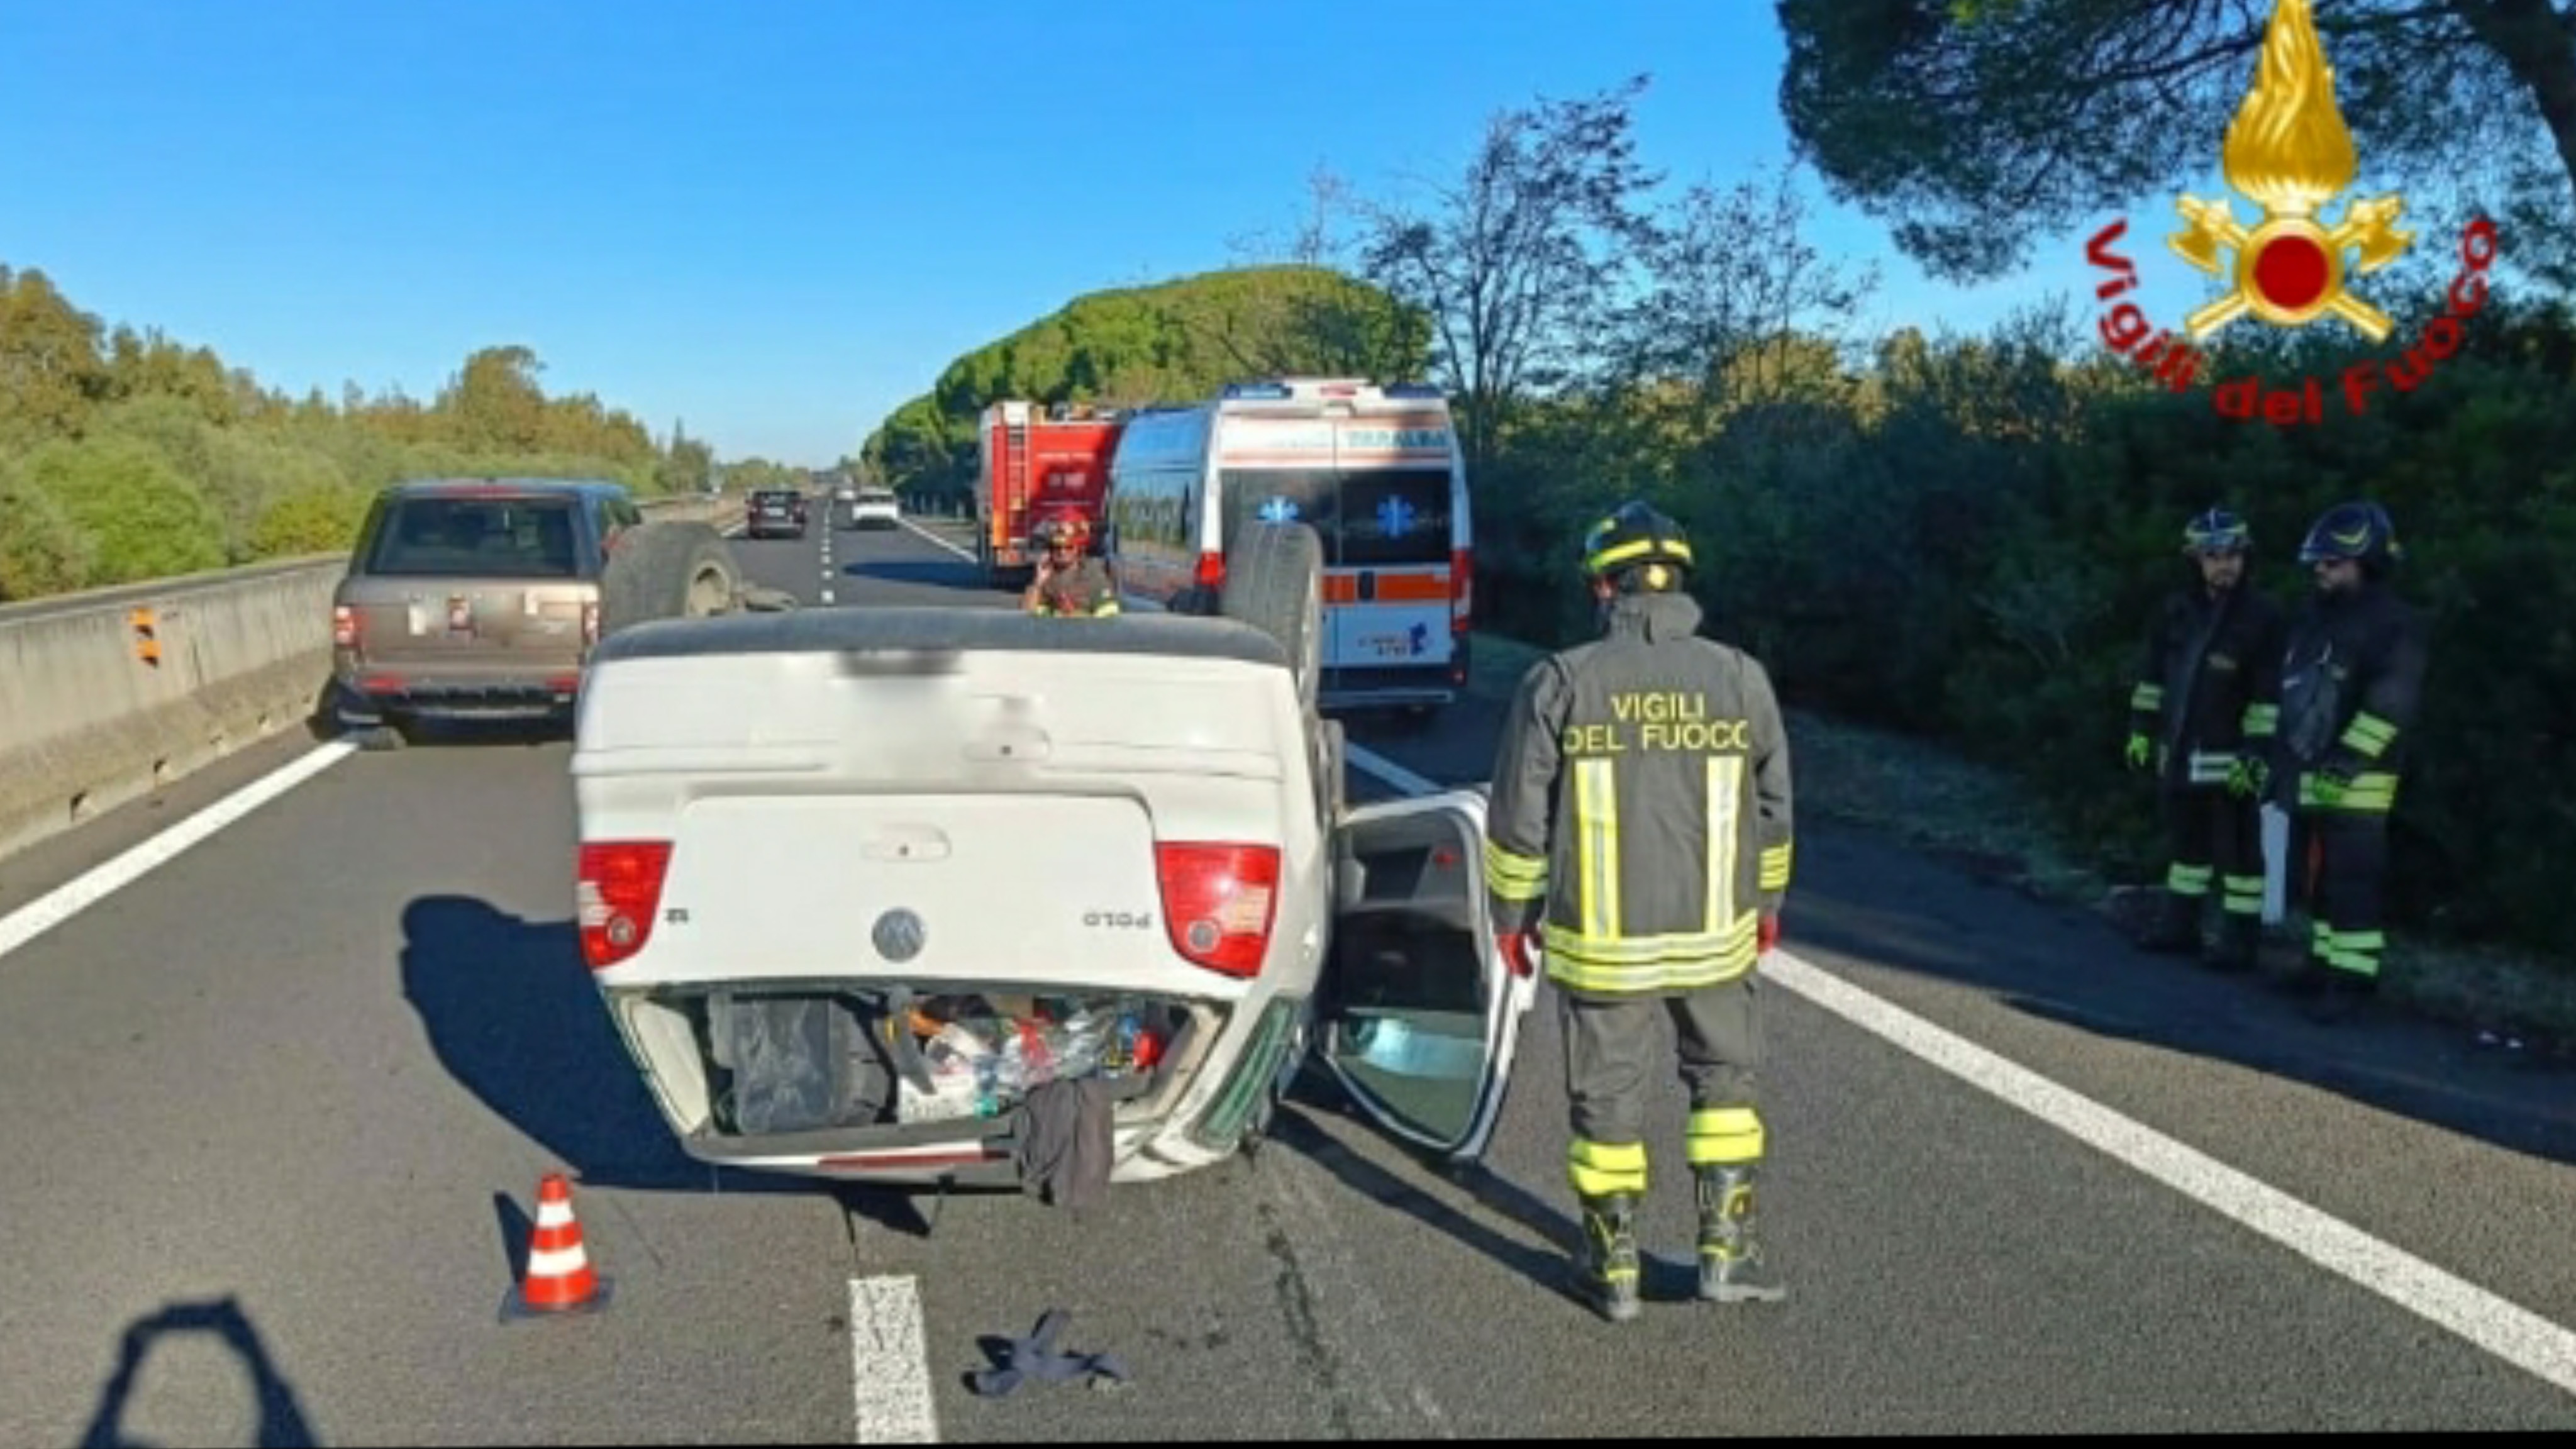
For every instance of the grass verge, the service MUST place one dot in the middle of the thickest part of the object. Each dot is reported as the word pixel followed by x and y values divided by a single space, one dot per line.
pixel 1981 819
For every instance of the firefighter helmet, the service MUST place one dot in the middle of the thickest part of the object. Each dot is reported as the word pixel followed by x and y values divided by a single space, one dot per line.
pixel 1068 528
pixel 2358 531
pixel 1636 536
pixel 2216 532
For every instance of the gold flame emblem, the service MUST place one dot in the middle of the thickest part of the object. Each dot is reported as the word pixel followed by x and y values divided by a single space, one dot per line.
pixel 2289 153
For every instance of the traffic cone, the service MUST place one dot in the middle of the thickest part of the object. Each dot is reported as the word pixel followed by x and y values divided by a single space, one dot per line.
pixel 559 1277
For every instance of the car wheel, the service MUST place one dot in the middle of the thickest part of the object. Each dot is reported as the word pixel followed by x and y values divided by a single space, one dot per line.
pixel 1274 581
pixel 673 570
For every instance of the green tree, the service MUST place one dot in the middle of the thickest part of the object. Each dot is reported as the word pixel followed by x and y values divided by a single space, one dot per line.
pixel 1979 125
pixel 145 518
pixel 1519 262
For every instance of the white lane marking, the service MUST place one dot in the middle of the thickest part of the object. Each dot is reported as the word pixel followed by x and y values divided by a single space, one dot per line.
pixel 891 1362
pixel 77 895
pixel 967 554
pixel 2536 1345
pixel 2518 1336
pixel 1372 763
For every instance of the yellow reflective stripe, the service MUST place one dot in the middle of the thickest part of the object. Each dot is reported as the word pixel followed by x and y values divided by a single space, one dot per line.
pixel 2147 696
pixel 2354 951
pixel 1723 1134
pixel 2370 791
pixel 2369 735
pixel 2243 894
pixel 1596 827
pixel 1725 796
pixel 1512 876
pixel 1602 1169
pixel 1622 552
pixel 1645 950
pixel 1775 866
pixel 1107 607
pixel 1653 963
pixel 2188 880
pixel 2261 720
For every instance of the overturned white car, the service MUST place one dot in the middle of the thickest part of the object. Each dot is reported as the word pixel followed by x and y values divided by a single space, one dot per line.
pixel 855 882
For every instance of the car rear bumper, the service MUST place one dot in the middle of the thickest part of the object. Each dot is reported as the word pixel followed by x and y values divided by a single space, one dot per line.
pixel 459 691
pixel 1427 685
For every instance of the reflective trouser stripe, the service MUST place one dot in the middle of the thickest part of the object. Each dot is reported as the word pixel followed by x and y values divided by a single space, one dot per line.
pixel 2261 720
pixel 1725 786
pixel 1724 1134
pixel 2243 895
pixel 2209 769
pixel 1596 831
pixel 1601 1169
pixel 2354 951
pixel 2188 880
pixel 2147 697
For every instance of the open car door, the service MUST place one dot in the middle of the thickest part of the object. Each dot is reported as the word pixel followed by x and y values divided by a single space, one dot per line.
pixel 1417 1015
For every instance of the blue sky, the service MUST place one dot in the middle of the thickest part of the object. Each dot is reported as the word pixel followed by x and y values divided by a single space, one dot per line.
pixel 779 219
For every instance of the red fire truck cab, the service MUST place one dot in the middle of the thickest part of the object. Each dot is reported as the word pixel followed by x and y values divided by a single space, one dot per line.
pixel 1033 461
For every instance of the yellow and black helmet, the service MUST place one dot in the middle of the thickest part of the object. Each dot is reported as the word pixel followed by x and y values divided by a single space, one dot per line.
pixel 1637 536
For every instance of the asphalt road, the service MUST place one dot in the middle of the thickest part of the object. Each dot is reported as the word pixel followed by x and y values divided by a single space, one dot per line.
pixel 281 1106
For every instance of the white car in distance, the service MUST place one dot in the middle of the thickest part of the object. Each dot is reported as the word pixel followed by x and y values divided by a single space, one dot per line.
pixel 854 881
pixel 874 508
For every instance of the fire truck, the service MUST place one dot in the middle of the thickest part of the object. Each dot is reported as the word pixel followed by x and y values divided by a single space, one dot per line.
pixel 1032 461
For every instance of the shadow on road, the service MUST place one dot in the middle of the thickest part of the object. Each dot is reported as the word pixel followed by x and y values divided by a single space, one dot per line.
pixel 281 1418
pixel 1294 1126
pixel 510 1010
pixel 944 573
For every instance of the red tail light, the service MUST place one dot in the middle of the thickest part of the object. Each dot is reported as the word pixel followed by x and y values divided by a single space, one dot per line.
pixel 344 627
pixel 621 887
pixel 1218 903
pixel 1462 589
pixel 1211 573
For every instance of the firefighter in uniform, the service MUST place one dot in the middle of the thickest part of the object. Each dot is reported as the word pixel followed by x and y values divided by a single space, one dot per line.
pixel 1640 823
pixel 2204 690
pixel 2352 676
pixel 1070 580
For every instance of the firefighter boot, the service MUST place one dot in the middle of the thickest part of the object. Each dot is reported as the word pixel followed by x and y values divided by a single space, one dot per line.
pixel 1609 1269
pixel 1730 1259
pixel 2232 950
pixel 2176 928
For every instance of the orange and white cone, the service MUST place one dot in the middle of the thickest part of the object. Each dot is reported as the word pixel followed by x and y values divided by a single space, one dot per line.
pixel 559 1277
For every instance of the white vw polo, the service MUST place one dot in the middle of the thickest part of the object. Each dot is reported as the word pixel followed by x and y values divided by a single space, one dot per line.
pixel 854 882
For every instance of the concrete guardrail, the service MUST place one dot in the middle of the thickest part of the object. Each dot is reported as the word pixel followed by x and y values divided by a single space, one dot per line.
pixel 109 694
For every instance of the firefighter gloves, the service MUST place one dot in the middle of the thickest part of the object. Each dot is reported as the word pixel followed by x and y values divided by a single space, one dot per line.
pixel 2141 751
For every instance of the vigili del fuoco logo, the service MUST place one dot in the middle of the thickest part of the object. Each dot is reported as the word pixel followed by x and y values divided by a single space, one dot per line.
pixel 2289 153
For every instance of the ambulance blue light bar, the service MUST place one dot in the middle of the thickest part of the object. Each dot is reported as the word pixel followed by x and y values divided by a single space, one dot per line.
pixel 1412 390
pixel 1258 392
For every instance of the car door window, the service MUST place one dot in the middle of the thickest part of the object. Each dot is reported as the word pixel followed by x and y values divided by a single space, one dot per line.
pixel 1419 1017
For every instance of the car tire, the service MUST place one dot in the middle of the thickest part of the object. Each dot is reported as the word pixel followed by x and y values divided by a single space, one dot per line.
pixel 672 570
pixel 1274 581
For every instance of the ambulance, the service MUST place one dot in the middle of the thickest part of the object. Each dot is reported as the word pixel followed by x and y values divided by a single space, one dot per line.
pixel 1376 473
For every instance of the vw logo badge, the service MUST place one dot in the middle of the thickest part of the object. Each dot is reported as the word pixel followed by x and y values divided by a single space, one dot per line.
pixel 899 935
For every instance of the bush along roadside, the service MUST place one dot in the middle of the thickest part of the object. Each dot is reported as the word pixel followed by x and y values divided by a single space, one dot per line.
pixel 1981 818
